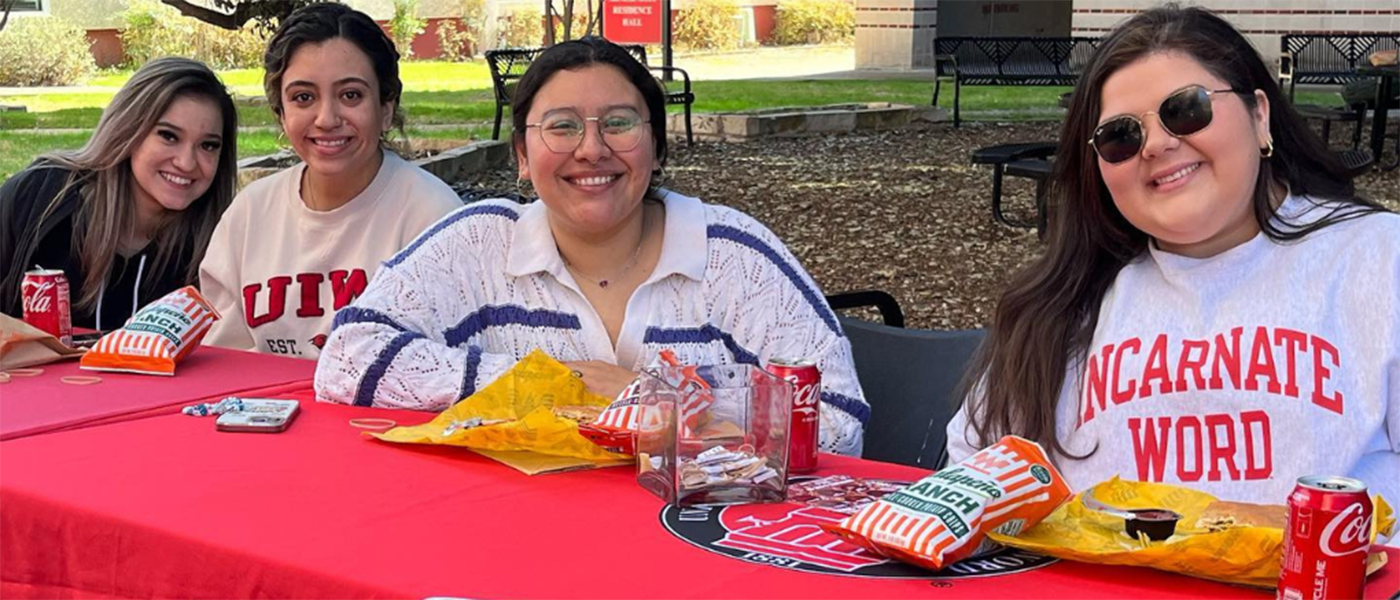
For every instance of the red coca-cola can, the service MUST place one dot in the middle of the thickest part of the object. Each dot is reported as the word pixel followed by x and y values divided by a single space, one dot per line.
pixel 1325 539
pixel 45 294
pixel 803 433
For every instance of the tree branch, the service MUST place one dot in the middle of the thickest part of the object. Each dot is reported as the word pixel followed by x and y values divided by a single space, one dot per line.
pixel 6 6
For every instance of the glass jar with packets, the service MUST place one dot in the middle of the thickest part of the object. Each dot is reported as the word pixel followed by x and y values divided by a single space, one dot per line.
pixel 713 435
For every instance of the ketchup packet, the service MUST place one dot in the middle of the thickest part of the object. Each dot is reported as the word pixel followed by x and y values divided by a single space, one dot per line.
pixel 945 517
pixel 157 337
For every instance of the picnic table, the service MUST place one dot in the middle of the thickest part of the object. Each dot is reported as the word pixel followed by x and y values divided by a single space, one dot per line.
pixel 165 506
pixel 1389 76
pixel 1025 159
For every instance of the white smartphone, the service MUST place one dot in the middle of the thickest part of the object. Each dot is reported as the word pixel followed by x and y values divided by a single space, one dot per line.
pixel 260 415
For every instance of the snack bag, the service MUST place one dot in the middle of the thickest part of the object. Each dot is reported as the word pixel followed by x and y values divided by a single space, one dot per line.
pixel 157 337
pixel 536 406
pixel 1232 542
pixel 615 429
pixel 944 518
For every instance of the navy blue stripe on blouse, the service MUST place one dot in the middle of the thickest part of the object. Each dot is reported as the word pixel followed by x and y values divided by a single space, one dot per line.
pixel 354 314
pixel 448 221
pixel 700 335
pixel 745 238
pixel 849 405
pixel 469 374
pixel 509 314
pixel 369 384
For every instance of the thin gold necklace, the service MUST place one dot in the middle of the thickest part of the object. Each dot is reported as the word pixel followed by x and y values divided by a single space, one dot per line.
pixel 632 262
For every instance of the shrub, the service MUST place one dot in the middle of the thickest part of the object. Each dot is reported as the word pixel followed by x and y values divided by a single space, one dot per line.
pixel 813 21
pixel 405 25
pixel 523 28
pixel 153 30
pixel 44 51
pixel 708 25
pixel 455 42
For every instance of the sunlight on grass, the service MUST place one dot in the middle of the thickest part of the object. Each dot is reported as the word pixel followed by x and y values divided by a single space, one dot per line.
pixel 18 148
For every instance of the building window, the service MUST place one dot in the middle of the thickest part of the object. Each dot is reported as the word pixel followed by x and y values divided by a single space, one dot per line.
pixel 28 6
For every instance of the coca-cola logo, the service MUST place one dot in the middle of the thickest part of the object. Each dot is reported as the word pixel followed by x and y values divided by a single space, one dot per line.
pixel 37 298
pixel 804 397
pixel 1348 532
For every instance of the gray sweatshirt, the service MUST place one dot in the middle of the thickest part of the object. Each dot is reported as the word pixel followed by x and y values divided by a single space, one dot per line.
pixel 1237 374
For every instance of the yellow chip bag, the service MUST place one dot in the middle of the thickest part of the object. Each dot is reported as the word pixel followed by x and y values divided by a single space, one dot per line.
pixel 157 337
pixel 943 518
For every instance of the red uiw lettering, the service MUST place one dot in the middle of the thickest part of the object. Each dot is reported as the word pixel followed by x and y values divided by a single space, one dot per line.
pixel 345 287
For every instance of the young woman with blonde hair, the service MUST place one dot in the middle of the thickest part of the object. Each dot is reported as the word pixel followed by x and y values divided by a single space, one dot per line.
pixel 128 216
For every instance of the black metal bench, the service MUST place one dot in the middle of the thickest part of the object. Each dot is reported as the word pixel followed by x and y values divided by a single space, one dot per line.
pixel 1330 59
pixel 508 65
pixel 1008 61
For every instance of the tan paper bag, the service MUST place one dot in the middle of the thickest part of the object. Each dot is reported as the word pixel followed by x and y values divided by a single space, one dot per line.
pixel 23 345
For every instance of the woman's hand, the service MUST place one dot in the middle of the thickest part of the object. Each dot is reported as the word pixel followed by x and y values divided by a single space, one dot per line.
pixel 606 380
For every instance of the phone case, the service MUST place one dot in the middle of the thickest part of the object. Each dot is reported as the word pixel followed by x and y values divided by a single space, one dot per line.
pixel 260 416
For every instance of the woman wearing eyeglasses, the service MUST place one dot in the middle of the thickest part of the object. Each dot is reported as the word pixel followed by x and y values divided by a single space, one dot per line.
pixel 604 272
pixel 1216 307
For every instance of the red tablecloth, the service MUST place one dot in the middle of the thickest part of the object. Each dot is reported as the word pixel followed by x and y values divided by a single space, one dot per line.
pixel 168 507
pixel 43 403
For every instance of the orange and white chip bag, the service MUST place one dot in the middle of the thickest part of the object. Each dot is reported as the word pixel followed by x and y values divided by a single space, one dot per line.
pixel 945 517
pixel 157 337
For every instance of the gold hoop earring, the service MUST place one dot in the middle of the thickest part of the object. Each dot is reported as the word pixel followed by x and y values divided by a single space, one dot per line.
pixel 1267 151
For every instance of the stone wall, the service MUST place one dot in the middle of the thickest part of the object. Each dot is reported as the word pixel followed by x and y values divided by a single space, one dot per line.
pixel 895 34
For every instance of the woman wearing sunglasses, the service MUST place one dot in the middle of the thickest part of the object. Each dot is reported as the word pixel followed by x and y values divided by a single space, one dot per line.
pixel 604 272
pixel 1216 307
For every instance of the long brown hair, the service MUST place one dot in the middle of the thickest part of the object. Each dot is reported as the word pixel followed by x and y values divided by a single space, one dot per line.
pixel 102 173
pixel 1046 318
pixel 318 23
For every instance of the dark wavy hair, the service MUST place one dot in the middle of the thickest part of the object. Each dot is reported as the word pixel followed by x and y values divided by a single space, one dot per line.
pixel 1045 320
pixel 577 54
pixel 316 23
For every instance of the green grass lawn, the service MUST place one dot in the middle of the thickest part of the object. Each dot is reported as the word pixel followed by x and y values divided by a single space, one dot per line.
pixel 441 93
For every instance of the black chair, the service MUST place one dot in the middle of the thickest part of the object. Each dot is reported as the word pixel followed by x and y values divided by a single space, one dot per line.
pixel 1357 161
pixel 882 301
pixel 508 65
pixel 909 377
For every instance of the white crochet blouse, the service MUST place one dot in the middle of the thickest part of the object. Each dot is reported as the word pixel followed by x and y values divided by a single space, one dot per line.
pixel 485 285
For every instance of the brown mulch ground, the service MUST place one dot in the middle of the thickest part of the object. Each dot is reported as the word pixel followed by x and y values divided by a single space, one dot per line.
pixel 903 211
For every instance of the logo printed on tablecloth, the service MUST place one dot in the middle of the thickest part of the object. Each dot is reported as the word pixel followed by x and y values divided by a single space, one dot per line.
pixel 790 536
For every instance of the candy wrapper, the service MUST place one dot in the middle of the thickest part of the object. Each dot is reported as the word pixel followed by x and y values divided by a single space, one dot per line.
pixel 157 337
pixel 536 406
pixel 1220 541
pixel 946 516
pixel 615 428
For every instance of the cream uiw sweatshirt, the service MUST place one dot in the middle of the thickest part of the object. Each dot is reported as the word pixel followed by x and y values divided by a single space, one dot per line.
pixel 277 271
